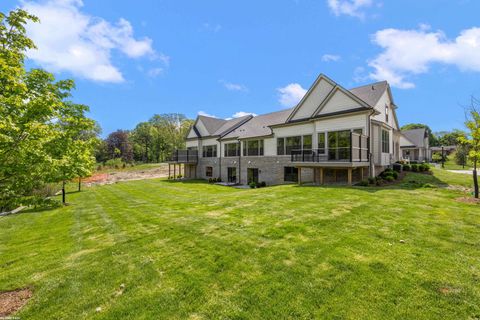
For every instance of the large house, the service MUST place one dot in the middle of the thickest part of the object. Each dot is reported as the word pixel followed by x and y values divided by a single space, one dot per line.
pixel 333 135
pixel 414 145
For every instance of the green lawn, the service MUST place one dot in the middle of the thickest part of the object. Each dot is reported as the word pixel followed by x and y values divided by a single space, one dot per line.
pixel 199 251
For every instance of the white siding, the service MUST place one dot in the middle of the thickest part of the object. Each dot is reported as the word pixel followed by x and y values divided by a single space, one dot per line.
pixel 192 134
pixel 380 107
pixel 270 147
pixel 314 99
pixel 343 123
pixel 339 102
pixel 192 143
pixel 294 130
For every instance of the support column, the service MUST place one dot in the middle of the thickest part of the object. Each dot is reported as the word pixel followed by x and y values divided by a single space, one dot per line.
pixel 361 173
pixel 321 176
pixel 174 171
pixel 300 176
pixel 350 176
pixel 169 169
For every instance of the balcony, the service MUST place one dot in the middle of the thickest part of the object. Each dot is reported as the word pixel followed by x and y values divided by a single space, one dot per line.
pixel 354 149
pixel 184 156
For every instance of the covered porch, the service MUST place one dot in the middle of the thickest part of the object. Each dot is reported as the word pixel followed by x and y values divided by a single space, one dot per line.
pixel 331 173
pixel 183 163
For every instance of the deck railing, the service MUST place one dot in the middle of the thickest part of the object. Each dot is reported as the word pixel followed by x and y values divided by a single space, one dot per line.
pixel 184 156
pixel 358 151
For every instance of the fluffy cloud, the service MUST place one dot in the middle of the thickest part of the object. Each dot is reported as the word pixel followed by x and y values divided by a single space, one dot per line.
pixel 353 8
pixel 291 94
pixel 72 41
pixel 412 52
pixel 330 57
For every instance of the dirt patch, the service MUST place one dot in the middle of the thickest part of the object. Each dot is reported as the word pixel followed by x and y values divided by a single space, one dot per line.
pixel 468 200
pixel 12 301
pixel 113 177
pixel 448 290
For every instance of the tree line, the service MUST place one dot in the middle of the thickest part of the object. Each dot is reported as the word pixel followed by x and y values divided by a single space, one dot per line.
pixel 150 141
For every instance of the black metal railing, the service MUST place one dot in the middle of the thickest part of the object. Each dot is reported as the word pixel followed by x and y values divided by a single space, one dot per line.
pixel 358 151
pixel 184 156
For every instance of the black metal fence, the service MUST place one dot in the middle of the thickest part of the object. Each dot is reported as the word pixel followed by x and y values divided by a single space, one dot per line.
pixel 184 156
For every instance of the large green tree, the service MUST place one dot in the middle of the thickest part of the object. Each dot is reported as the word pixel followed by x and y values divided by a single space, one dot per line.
pixel 473 139
pixel 39 128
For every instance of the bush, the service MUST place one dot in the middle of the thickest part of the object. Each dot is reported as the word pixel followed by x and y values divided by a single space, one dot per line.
pixel 124 165
pixel 389 178
pixel 378 182
pixel 179 176
pixel 395 175
pixel 99 168
pixel 364 183
pixel 252 185
pixel 415 167
pixel 114 163
pixel 371 180
pixel 219 179
pixel 262 184
pixel 407 167
pixel 210 180
pixel 424 167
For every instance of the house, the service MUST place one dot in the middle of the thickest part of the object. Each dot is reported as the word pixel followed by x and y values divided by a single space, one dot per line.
pixel 333 135
pixel 414 145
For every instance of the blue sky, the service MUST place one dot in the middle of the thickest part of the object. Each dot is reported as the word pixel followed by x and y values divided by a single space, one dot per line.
pixel 132 59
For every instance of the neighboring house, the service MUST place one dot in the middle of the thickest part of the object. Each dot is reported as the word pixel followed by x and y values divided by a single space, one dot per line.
pixel 415 145
pixel 331 135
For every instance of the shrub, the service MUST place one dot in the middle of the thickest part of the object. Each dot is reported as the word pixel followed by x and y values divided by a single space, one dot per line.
pixel 210 180
pixel 371 180
pixel 252 185
pixel 424 167
pixel 378 182
pixel 389 178
pixel 262 184
pixel 124 165
pixel 364 183
pixel 415 167
pixel 99 168
pixel 179 176
pixel 395 175
pixel 407 167
pixel 219 179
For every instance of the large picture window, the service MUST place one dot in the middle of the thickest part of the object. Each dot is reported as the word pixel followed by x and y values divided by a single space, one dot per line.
pixel 385 141
pixel 253 148
pixel 307 142
pixel 339 145
pixel 286 145
pixel 209 151
pixel 232 150
pixel 280 146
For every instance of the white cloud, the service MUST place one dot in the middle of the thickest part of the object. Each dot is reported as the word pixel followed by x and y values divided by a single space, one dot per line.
pixel 240 114
pixel 73 41
pixel 353 8
pixel 212 27
pixel 291 94
pixel 234 86
pixel 203 113
pixel 412 52
pixel 330 57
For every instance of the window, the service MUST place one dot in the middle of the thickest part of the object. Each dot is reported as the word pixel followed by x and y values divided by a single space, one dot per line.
pixel 280 146
pixel 307 142
pixel 386 113
pixel 385 141
pixel 321 143
pixel 339 145
pixel 290 174
pixel 293 143
pixel 209 151
pixel 209 171
pixel 253 148
pixel 232 150
pixel 358 131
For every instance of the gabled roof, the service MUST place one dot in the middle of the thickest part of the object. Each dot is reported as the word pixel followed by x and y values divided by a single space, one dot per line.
pixel 414 137
pixel 259 126
pixel 370 93
pixel 218 127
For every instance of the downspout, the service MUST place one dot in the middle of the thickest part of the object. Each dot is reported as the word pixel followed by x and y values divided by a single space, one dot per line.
pixel 239 161
pixel 370 143
pixel 220 164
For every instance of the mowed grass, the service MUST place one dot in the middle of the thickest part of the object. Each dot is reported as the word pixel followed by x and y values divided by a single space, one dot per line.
pixel 198 251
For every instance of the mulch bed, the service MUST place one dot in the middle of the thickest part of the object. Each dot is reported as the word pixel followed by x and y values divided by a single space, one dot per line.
pixel 12 301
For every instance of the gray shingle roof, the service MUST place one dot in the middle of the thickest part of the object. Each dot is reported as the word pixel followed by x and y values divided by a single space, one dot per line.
pixel 415 136
pixel 229 124
pixel 258 126
pixel 370 93
pixel 212 124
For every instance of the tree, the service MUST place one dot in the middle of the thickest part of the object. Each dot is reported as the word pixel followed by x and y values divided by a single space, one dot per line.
pixel 33 113
pixel 143 136
pixel 119 145
pixel 172 129
pixel 431 137
pixel 451 138
pixel 473 138
pixel 461 154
